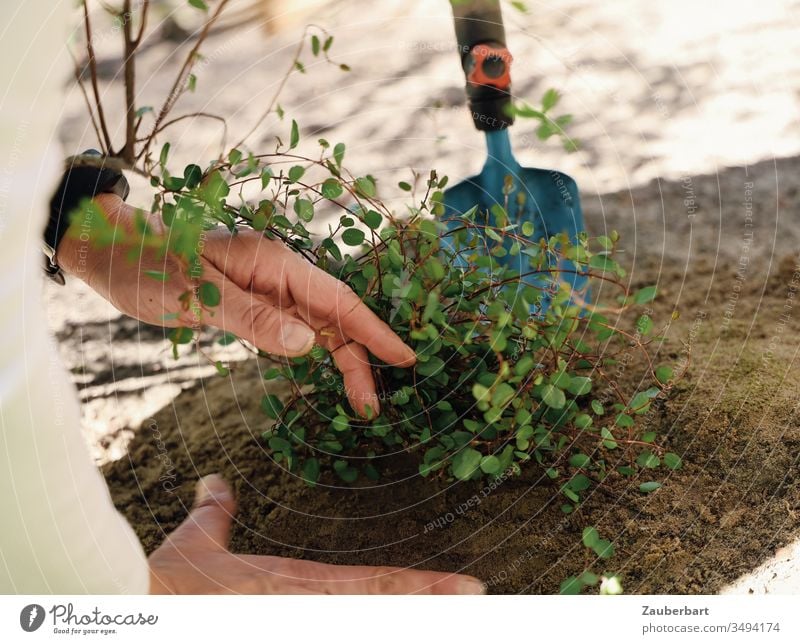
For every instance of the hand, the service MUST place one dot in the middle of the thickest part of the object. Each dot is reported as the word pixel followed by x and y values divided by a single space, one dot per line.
pixel 195 559
pixel 271 297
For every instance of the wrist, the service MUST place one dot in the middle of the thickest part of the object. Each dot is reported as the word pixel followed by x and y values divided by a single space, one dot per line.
pixel 77 253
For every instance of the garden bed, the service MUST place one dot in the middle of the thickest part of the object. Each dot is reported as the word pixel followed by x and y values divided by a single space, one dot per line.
pixel 733 419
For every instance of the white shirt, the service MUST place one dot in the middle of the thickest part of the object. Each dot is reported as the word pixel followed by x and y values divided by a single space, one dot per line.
pixel 59 531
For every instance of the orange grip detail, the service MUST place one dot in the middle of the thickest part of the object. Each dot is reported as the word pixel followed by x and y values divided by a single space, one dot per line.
pixel 490 65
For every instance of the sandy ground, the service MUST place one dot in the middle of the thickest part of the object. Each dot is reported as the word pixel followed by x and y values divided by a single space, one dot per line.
pixel 666 96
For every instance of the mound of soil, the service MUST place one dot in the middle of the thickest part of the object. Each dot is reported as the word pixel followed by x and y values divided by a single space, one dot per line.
pixel 733 419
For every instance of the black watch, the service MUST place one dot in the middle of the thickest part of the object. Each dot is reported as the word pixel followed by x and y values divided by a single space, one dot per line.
pixel 78 183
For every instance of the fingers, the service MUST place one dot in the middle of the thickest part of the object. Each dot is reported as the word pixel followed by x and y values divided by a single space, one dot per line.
pixel 353 362
pixel 269 268
pixel 297 576
pixel 359 323
pixel 270 328
pixel 319 295
pixel 208 525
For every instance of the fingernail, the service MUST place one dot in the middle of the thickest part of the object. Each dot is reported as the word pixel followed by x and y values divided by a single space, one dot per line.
pixel 211 488
pixel 297 338
pixel 411 355
pixel 470 586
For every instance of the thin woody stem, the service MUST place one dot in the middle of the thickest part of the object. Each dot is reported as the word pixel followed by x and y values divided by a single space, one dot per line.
pixel 88 103
pixel 93 72
pixel 130 81
pixel 179 86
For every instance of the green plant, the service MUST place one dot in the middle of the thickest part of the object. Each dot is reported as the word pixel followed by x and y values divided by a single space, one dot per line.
pixel 514 369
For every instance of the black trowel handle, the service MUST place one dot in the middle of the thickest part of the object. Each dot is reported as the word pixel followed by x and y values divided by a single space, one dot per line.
pixel 486 61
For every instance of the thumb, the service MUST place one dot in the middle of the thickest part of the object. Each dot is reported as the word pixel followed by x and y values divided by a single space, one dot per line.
pixel 208 525
pixel 270 328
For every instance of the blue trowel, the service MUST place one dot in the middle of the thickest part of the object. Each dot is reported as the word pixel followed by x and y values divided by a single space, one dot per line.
pixel 548 199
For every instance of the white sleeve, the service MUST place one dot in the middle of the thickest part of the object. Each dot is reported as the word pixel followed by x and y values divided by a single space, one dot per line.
pixel 59 531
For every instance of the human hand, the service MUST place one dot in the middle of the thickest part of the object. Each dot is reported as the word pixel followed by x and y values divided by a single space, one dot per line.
pixel 270 296
pixel 195 559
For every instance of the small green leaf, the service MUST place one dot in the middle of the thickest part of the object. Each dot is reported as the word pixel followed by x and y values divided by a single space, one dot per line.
pixel 645 295
pixel 373 219
pixel 266 177
pixel 553 397
pixel 209 294
pixel 162 158
pixel 295 135
pixel 260 220
pixel 571 586
pixel 580 385
pixel 345 472
pixel 271 405
pixel 296 172
pixel 649 486
pixel 648 459
pixel 338 153
pixel 181 335
pixel 215 188
pixel 604 549
pixel 199 4
pixel 490 464
pixel 430 368
pixel 672 461
pixel 353 237
pixel 549 100
pixel 340 423
pixel 278 444
pixel 664 374
pixel 589 578
pixel 590 537
pixel 580 460
pixel 644 325
pixel 331 188
pixel 465 463
pixel 624 421
pixel 311 471
pixel 226 339
pixel 480 392
pixel 192 175
pixel 365 186
pixel 304 209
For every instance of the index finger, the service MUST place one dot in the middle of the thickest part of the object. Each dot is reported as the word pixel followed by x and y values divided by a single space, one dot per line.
pixel 320 295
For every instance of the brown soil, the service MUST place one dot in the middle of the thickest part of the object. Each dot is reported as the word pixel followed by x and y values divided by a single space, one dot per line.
pixel 733 419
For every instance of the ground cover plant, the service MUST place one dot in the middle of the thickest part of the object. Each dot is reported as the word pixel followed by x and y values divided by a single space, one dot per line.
pixel 515 369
